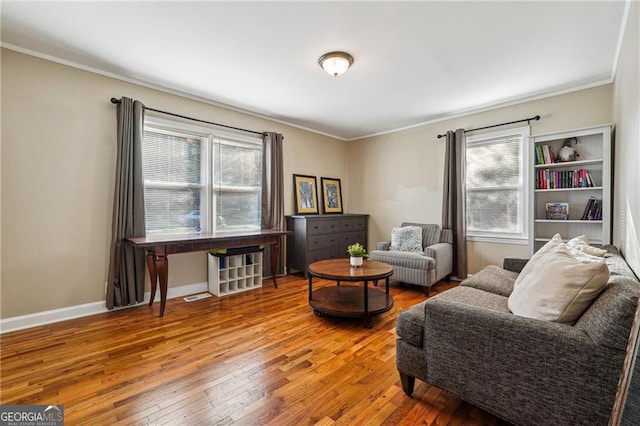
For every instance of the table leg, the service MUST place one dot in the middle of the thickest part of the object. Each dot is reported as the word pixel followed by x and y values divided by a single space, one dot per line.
pixel 153 274
pixel 275 251
pixel 158 266
pixel 310 287
pixel 387 286
pixel 162 266
pixel 367 321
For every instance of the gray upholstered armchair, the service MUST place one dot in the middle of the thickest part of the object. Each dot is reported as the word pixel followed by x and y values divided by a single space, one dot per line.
pixel 429 263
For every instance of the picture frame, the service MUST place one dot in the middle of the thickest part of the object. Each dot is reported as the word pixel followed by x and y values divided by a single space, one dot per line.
pixel 557 211
pixel 331 195
pixel 305 194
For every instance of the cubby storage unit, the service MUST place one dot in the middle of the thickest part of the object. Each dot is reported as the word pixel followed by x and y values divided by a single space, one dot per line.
pixel 232 273
pixel 560 182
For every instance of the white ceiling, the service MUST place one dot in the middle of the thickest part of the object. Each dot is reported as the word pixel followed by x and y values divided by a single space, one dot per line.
pixel 415 62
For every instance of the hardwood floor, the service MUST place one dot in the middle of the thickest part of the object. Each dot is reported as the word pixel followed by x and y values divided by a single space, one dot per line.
pixel 254 358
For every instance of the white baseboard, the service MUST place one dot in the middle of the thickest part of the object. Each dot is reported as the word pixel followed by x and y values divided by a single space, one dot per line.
pixel 55 315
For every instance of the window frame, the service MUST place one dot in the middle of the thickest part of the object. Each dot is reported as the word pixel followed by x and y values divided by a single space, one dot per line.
pixel 210 138
pixel 524 187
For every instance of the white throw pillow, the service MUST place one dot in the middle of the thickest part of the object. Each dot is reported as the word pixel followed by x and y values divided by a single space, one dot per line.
pixel 406 238
pixel 581 243
pixel 555 241
pixel 559 287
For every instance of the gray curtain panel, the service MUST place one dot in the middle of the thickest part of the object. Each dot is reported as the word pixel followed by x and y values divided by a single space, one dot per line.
pixel 125 284
pixel 454 211
pixel 272 193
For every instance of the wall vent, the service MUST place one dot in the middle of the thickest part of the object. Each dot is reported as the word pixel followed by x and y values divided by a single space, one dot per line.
pixel 197 297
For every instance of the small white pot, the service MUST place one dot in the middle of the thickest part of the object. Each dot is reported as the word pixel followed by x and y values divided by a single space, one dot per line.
pixel 356 261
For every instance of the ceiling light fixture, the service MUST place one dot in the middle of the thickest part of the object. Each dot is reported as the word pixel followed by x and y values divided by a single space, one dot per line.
pixel 335 63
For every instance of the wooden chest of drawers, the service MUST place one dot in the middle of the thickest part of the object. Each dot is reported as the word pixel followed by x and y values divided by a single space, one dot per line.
pixel 322 237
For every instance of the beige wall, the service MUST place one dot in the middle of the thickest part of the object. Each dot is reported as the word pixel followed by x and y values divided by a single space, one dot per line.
pixel 626 110
pixel 58 156
pixel 398 177
pixel 58 161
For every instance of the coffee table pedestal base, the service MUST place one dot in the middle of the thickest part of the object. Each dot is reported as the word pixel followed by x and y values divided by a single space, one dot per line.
pixel 348 301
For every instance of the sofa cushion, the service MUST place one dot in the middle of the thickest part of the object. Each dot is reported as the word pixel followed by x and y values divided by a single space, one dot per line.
pixel 406 238
pixel 558 286
pixel 493 279
pixel 471 297
pixel 404 259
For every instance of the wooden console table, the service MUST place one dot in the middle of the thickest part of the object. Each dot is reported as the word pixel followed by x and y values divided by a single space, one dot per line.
pixel 157 248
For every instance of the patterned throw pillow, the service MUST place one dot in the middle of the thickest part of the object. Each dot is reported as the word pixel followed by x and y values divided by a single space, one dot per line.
pixel 406 238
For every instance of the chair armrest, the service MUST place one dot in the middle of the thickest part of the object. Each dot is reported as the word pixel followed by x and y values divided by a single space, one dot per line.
pixel 443 255
pixel 438 250
pixel 514 264
pixel 383 245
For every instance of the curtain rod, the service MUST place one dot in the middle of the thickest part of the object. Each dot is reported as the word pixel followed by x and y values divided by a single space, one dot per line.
pixel 117 101
pixel 536 118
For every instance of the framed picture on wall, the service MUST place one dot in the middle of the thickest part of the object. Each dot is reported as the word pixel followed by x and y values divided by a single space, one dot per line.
pixel 305 194
pixel 331 195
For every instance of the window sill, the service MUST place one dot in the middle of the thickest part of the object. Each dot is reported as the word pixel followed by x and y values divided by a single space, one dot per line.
pixel 498 240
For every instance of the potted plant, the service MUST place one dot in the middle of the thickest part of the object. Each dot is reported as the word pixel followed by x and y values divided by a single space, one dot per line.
pixel 356 253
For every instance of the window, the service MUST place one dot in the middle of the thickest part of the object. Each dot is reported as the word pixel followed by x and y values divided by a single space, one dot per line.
pixel 497 186
pixel 199 180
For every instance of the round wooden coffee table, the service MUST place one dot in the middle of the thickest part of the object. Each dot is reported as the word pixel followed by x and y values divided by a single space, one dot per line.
pixel 349 300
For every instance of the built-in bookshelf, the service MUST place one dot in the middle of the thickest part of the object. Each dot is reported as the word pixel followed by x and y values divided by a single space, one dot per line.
pixel 571 197
pixel 234 273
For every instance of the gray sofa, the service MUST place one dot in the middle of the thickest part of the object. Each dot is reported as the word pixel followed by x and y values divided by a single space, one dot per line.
pixel 526 371
pixel 425 268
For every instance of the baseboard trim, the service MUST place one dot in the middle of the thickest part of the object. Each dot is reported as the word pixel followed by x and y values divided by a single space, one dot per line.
pixel 56 315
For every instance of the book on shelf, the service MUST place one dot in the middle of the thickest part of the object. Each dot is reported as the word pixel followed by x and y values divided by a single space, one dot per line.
pixel 557 211
pixel 592 210
pixel 589 182
pixel 538 152
pixel 548 154
pixel 564 179
pixel 544 154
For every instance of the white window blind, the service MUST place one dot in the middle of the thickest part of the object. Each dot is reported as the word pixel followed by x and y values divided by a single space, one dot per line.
pixel 237 184
pixel 173 181
pixel 200 182
pixel 495 185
